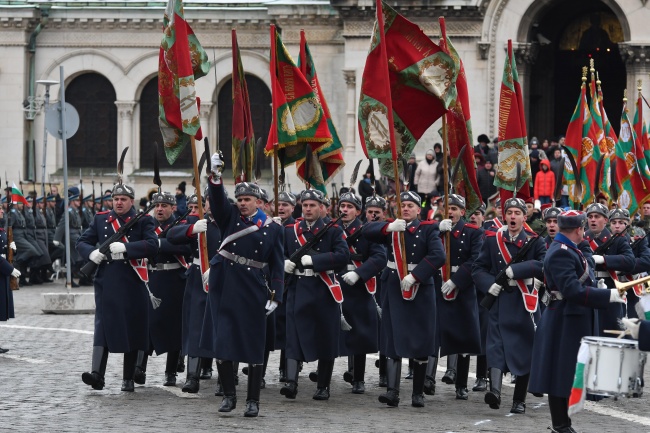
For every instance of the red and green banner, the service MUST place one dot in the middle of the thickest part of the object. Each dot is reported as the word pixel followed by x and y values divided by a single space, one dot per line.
pixel 610 136
pixel 17 196
pixel 181 61
pixel 513 141
pixel 329 159
pixel 243 136
pixel 405 88
pixel 459 130
pixel 642 136
pixel 600 150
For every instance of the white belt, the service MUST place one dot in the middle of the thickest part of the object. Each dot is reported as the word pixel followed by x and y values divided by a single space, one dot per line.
pixel 454 268
pixel 305 273
pixel 196 262
pixel 117 256
pixel 351 267
pixel 603 274
pixel 557 295
pixel 527 281
pixel 241 260
pixel 391 265
pixel 164 266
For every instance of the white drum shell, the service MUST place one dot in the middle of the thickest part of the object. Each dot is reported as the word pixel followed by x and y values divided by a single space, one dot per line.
pixel 615 368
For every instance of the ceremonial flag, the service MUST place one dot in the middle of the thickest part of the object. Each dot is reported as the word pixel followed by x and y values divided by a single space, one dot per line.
pixel 578 390
pixel 610 136
pixel 405 88
pixel 243 136
pixel 642 136
pixel 459 129
pixel 600 141
pixel 329 159
pixel 17 196
pixel 513 142
pixel 298 117
pixel 181 61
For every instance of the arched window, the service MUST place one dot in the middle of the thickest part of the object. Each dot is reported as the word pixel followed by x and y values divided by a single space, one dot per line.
pixel 95 143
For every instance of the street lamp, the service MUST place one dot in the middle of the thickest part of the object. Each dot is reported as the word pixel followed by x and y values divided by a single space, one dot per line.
pixel 47 84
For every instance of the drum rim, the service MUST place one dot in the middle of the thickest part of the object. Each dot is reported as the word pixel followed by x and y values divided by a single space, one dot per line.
pixel 611 342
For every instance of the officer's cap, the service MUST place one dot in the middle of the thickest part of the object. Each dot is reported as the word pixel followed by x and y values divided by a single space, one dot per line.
pixel 122 189
pixel 572 219
pixel 163 197
pixel 326 201
pixel 481 209
pixel 193 199
pixel 376 201
pixel 516 203
pixel 247 188
pixel 39 199
pixel 597 208
pixel 264 195
pixel 88 197
pixel 287 197
pixel 51 197
pixel 411 196
pixel 348 197
pixel 621 214
pixel 456 200
pixel 551 212
pixel 312 194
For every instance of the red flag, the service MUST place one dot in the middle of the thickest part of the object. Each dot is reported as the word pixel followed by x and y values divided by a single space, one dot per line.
pixel 242 121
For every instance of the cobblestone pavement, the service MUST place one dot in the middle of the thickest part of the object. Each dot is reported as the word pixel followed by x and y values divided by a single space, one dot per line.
pixel 41 390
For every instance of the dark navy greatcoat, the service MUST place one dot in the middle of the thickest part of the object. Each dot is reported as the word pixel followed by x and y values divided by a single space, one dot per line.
pixel 194 298
pixel 458 320
pixel 359 307
pixel 280 313
pixel 313 316
pixel 25 250
pixel 75 233
pixel 6 295
pixel 565 321
pixel 41 238
pixel 121 297
pixel 234 327
pixel 644 336
pixel 511 331
pixel 618 257
pixel 408 328
pixel 641 264
pixel 166 321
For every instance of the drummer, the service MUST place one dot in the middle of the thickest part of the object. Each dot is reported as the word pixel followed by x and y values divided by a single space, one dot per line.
pixel 569 316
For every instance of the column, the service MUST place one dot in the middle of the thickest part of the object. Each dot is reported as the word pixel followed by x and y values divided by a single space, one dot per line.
pixel 525 55
pixel 206 111
pixel 637 65
pixel 125 135
pixel 350 76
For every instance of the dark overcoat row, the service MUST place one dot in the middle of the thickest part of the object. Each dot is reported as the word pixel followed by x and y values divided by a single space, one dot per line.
pixel 6 295
pixel 26 251
pixel 121 297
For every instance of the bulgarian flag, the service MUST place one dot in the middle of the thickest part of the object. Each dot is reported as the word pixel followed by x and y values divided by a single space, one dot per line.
pixel 399 102
pixel 17 196
pixel 329 158
pixel 181 61
pixel 600 150
pixel 578 390
pixel 243 152
pixel 513 141
pixel 459 129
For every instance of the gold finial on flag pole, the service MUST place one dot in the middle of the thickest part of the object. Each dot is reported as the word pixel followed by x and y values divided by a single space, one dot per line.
pixel 592 69
pixel 584 74
pixel 625 95
pixel 598 81
pixel 639 85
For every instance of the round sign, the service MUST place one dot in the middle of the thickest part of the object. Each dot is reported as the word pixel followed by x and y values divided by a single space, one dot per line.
pixel 53 120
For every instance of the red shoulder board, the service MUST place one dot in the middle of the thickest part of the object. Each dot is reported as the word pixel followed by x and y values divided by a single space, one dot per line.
pixel 428 223
pixel 299 219
pixel 490 233
pixel 103 212
pixel 471 226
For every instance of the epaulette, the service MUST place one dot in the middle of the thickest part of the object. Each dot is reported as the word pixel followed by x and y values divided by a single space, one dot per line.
pixel 471 226
pixel 103 212
pixel 299 219
pixel 428 223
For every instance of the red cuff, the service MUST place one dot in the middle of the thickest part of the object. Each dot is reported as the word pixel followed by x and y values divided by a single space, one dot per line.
pixel 189 232
pixel 384 230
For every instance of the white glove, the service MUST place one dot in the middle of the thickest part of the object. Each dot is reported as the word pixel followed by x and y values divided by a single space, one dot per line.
pixel 503 228
pixel 398 225
pixel 118 247
pixel 289 266
pixel 200 226
pixel 56 243
pixel 538 283
pixel 601 284
pixel 277 220
pixel 632 325
pixel 12 245
pixel 216 165
pixel 350 278
pixel 509 272
pixel 306 261
pixel 615 296
pixel 15 273
pixel 270 306
pixel 205 277
pixel 407 282
pixel 96 257
pixel 599 260
pixel 447 287
pixel 445 225
pixel 495 289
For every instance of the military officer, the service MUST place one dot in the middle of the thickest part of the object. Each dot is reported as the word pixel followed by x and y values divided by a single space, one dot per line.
pixel 121 292
pixel 515 313
pixel 27 252
pixel 408 321
pixel 568 318
pixel 87 211
pixel 478 216
pixel 550 215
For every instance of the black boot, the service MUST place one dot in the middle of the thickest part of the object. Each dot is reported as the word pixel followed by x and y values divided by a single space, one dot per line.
pixel 393 372
pixel 493 396
pixel 22 280
pixel 290 389
pixel 96 377
pixel 462 371
pixel 180 367
pixel 128 371
pixel 559 407
pixel 325 368
pixel 419 374
pixel 450 375
pixel 430 378
pixel 348 376
pixel 206 368
pixel 358 379
pixel 282 377
pixel 192 381
pixel 170 368
pixel 267 353
pixel 140 376
pixel 382 371
pixel 44 274
pixel 255 373
pixel 519 396
pixel 227 375
pixel 34 276
pixel 481 374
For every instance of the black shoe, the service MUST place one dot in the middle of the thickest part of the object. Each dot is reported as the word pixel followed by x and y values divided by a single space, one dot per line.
pixel 245 370
pixel 180 367
pixel 252 408
pixel 417 400
pixel 127 385
pixel 493 400
pixel 450 377
pixel 461 394
pixel 562 430
pixel 518 407
pixel 289 390
pixel 140 377
pixel 358 387
pixel 383 381
pixel 391 398
pixel 480 384
pixel 429 386
pixel 409 375
pixel 322 394
pixel 191 385
pixel 170 379
pixel 377 363
pixel 537 394
pixel 348 376
pixel 313 376
pixel 3 350
pixel 93 379
pixel 219 391
pixel 283 376
pixel 493 396
pixel 206 373
pixel 228 403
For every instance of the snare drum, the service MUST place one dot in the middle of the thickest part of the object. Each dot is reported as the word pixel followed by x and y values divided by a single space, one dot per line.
pixel 615 368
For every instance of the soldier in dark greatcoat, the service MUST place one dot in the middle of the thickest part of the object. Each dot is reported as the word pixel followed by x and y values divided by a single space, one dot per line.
pixel 6 271
pixel 550 215
pixel 515 313
pixel 42 239
pixel 26 251
pixel 56 249
pixel 121 292
pixel 408 322
pixel 569 316
pixel 75 231
pixel 314 295
pixel 167 282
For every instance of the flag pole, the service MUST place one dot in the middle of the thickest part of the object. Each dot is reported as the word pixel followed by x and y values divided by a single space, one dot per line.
pixel 203 247
pixel 445 165
pixel 274 132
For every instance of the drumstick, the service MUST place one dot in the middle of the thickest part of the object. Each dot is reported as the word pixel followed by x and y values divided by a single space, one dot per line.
pixel 620 333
